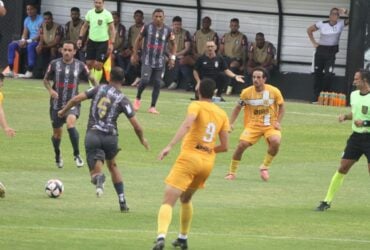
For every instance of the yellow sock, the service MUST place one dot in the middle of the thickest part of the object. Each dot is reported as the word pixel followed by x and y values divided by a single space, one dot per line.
pixel 164 218
pixel 92 73
pixel 267 160
pixel 233 166
pixel 98 74
pixel 186 215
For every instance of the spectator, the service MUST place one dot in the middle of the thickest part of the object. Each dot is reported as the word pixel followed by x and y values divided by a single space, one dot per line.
pixel 99 22
pixel 72 31
pixel 133 71
pixel 202 36
pixel 51 35
pixel 326 49
pixel 183 64
pixel 233 46
pixel 261 54
pixel 29 40
pixel 211 65
pixel 153 38
pixel 119 42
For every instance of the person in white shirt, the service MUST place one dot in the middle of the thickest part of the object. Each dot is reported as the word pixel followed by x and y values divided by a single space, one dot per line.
pixel 326 48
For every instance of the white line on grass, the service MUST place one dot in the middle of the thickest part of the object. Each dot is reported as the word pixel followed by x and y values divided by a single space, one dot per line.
pixel 236 235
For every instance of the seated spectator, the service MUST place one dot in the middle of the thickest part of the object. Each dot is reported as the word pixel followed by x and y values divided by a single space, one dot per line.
pixel 29 41
pixel 233 47
pixel 202 36
pixel 72 31
pixel 212 65
pixel 133 72
pixel 119 42
pixel 261 54
pixel 184 62
pixel 51 35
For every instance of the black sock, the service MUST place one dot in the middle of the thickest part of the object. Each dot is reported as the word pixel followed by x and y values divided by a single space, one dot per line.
pixel 56 144
pixel 119 190
pixel 74 137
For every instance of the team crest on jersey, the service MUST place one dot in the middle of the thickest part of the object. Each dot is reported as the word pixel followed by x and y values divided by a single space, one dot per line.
pixel 100 22
pixel 216 64
pixel 364 109
pixel 266 102
pixel 237 42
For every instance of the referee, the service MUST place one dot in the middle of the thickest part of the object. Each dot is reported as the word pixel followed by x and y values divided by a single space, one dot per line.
pixel 326 48
pixel 358 143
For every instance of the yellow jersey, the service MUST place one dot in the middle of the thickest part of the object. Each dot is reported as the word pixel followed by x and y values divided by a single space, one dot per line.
pixel 203 134
pixel 261 108
pixel 1 98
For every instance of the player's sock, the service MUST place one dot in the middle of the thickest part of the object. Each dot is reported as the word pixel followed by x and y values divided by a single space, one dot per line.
pixel 267 160
pixel 233 166
pixel 74 137
pixel 186 215
pixel 164 218
pixel 120 191
pixel 98 74
pixel 335 183
pixel 56 144
pixel 92 73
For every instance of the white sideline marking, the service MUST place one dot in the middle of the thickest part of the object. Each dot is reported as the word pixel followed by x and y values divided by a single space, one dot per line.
pixel 236 235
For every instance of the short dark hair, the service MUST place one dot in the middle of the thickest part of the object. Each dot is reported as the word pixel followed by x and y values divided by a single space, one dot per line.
pixel 260 34
pixel 264 72
pixel 48 13
pixel 75 9
pixel 234 20
pixel 116 13
pixel 207 18
pixel 139 12
pixel 158 10
pixel 334 9
pixel 177 19
pixel 117 74
pixel 365 75
pixel 207 87
pixel 70 42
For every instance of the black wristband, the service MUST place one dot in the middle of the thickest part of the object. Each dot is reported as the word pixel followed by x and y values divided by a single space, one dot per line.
pixel 366 123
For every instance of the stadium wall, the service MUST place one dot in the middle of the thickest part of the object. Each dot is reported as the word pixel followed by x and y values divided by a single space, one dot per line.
pixel 284 23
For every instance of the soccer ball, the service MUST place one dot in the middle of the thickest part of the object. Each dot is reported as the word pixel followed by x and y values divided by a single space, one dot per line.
pixel 2 190
pixel 54 188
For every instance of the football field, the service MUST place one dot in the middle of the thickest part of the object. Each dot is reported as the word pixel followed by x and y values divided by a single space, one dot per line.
pixel 242 214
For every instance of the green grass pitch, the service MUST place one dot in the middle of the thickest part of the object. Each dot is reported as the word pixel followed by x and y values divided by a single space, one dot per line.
pixel 243 214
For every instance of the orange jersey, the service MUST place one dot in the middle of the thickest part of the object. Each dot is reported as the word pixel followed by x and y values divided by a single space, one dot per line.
pixel 261 108
pixel 210 120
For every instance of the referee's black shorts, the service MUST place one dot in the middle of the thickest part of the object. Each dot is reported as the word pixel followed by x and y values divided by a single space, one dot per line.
pixel 357 145
pixel 96 50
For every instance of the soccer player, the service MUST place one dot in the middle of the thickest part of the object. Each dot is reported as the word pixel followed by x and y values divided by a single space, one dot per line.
pixel 204 123
pixel 8 131
pixel 99 22
pixel 358 143
pixel 153 39
pixel 65 73
pixel 101 142
pixel 264 109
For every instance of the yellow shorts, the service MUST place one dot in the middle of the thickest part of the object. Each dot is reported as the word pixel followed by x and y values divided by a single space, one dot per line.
pixel 190 170
pixel 253 134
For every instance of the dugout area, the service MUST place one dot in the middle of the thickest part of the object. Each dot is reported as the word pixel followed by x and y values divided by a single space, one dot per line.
pixel 284 23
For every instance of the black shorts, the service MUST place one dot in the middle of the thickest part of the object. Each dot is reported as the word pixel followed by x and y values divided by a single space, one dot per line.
pixel 58 122
pixel 96 51
pixel 357 145
pixel 100 146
